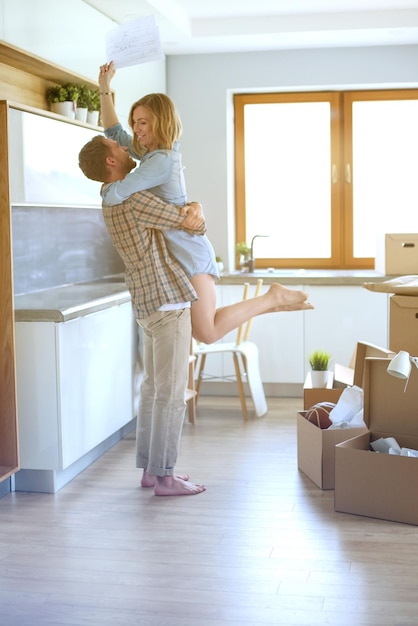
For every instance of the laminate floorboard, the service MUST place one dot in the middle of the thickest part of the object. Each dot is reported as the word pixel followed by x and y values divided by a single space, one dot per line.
pixel 261 547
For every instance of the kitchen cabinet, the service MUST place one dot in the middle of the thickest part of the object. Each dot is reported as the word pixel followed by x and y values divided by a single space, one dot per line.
pixel 75 390
pixel 279 337
pixel 343 315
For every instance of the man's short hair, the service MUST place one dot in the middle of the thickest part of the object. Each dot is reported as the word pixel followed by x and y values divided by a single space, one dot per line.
pixel 92 159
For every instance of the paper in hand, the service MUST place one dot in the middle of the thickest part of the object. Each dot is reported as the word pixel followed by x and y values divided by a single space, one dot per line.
pixel 135 42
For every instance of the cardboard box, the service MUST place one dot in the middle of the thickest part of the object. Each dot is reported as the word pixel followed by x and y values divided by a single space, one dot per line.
pixel 343 376
pixel 363 351
pixel 403 324
pixel 313 395
pixel 373 484
pixel 316 449
pixel 397 254
pixel 316 446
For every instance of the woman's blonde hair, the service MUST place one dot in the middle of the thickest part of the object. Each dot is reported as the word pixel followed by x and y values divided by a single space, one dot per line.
pixel 165 121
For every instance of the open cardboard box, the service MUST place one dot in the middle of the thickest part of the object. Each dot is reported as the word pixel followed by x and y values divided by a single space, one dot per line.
pixel 316 446
pixel 343 376
pixel 330 393
pixel 316 449
pixel 376 484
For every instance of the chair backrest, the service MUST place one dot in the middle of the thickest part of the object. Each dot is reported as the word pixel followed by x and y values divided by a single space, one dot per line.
pixel 243 332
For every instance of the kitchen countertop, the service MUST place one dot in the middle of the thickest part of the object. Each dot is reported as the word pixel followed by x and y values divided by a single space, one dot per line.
pixel 304 277
pixel 61 304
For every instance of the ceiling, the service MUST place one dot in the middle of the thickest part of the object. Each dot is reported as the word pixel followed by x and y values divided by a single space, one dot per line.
pixel 211 26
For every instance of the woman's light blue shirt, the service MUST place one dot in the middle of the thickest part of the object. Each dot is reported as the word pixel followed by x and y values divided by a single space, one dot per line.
pixel 161 172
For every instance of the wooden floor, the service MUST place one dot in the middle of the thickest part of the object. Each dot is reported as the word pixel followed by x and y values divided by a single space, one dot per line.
pixel 262 546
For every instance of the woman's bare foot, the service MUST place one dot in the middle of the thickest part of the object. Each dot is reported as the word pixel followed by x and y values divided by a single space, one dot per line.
pixel 283 299
pixel 148 480
pixel 176 486
pixel 300 306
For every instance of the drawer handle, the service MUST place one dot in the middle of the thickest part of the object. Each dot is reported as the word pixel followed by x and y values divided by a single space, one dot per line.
pixel 408 245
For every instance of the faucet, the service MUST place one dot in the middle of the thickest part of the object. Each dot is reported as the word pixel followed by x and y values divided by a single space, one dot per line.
pixel 251 260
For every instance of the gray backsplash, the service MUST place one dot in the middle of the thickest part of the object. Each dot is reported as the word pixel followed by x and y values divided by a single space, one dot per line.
pixel 54 246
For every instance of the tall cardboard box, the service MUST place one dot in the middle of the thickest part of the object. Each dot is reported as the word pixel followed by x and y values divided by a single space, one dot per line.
pixel 375 484
pixel 403 324
pixel 397 254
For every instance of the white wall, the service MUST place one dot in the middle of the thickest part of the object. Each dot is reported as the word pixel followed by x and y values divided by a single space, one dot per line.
pixel 202 88
pixel 72 34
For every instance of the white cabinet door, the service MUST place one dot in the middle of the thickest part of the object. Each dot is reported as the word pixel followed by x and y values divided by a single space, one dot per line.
pixel 279 337
pixel 280 340
pixel 96 379
pixel 37 397
pixel 342 317
pixel 75 385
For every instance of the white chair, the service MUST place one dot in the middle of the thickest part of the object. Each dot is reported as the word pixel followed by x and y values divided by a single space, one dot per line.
pixel 246 363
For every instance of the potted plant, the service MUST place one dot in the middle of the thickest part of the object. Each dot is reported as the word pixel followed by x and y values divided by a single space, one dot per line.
pixel 220 264
pixel 93 107
pixel 83 103
pixel 319 362
pixel 63 98
pixel 56 93
pixel 73 91
pixel 244 252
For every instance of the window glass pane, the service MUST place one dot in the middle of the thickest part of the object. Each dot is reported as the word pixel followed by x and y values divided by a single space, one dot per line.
pixel 287 179
pixel 385 166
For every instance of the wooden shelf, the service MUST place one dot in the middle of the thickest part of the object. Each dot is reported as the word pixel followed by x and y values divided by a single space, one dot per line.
pixel 25 77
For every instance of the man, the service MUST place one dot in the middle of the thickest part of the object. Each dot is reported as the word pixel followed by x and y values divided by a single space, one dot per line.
pixel 161 297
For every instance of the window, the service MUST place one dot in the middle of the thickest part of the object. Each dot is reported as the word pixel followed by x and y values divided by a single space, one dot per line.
pixel 323 174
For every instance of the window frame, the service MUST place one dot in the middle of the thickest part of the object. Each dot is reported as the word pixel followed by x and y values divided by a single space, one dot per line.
pixel 340 176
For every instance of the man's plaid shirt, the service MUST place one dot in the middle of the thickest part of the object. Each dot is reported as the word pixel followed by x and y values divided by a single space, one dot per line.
pixel 153 277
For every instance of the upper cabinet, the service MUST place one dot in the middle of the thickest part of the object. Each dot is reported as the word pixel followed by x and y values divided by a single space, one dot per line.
pixel 43 157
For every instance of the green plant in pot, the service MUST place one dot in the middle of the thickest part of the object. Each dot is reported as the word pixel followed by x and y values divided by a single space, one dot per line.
pixel 220 264
pixel 63 98
pixel 93 107
pixel 244 252
pixel 319 362
pixel 83 101
pixel 56 93
pixel 73 91
pixel 94 104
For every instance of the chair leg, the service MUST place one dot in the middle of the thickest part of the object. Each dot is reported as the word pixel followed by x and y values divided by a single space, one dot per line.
pixel 191 410
pixel 200 375
pixel 240 386
pixel 254 381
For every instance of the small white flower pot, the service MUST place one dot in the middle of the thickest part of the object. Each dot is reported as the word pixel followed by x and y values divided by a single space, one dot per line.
pixel 93 118
pixel 319 378
pixel 81 114
pixel 64 108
